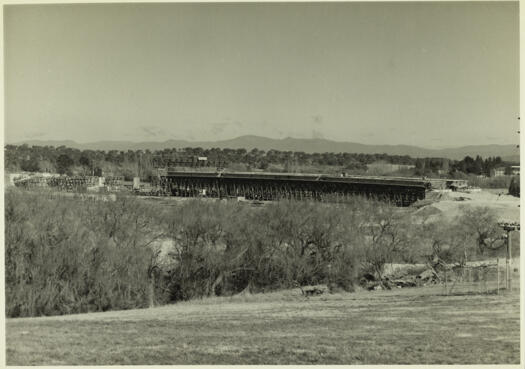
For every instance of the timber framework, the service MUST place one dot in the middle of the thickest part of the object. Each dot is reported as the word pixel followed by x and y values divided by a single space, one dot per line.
pixel 275 186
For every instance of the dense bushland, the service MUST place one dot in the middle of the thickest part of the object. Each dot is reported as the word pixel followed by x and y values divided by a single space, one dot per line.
pixel 66 255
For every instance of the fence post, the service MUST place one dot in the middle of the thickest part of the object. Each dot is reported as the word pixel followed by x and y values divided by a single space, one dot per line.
pixel 497 275
pixel 446 290
pixel 479 279
pixel 509 260
pixel 485 279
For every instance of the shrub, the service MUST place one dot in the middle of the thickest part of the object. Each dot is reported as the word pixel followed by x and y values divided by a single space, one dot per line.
pixel 73 256
pixel 514 187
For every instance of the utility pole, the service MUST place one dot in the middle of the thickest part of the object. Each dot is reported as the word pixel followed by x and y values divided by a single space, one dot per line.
pixel 509 227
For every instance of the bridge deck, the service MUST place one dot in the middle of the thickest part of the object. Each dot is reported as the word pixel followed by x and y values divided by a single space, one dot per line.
pixel 301 176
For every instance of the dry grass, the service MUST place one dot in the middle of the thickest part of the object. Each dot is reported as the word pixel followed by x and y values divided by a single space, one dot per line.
pixel 408 326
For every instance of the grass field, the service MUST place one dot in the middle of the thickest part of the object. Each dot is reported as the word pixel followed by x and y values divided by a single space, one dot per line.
pixel 405 326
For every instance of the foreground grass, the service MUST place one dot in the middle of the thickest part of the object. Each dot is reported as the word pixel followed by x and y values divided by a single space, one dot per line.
pixel 409 326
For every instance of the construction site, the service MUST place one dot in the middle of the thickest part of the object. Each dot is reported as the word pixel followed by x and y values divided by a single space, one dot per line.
pixel 256 186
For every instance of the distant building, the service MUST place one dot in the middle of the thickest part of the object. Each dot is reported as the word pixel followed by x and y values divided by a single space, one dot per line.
pixel 513 170
pixel 497 172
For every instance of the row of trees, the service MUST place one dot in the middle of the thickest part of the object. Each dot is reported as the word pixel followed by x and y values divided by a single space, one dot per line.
pixel 468 165
pixel 64 255
pixel 478 166
pixel 37 158
pixel 143 163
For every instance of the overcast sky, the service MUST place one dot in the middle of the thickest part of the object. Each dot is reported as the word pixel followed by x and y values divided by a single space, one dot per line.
pixel 427 74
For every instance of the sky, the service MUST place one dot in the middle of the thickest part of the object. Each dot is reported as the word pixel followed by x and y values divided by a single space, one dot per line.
pixel 425 74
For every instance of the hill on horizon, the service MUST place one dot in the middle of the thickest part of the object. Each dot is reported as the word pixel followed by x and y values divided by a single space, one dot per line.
pixel 506 152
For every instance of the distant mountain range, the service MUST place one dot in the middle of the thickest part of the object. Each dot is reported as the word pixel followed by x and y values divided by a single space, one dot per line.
pixel 506 152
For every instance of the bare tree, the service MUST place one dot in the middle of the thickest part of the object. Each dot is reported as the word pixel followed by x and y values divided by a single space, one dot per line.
pixel 386 237
pixel 480 224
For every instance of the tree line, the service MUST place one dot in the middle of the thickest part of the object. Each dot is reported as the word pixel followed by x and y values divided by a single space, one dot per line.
pixel 142 163
pixel 64 255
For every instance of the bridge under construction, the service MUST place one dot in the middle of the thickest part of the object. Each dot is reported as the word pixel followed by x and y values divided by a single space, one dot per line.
pixel 275 186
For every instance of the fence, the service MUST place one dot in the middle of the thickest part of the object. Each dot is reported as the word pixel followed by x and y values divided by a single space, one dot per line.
pixel 493 277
